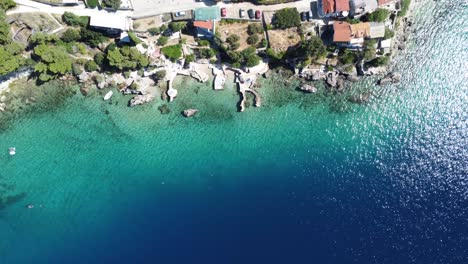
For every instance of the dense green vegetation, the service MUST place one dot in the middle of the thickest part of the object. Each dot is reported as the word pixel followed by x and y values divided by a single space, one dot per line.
pixel 369 49
pixel 314 48
pixel 286 18
pixel 255 29
pixel 7 4
pixel 172 52
pixel 115 4
pixel 247 57
pixel 92 38
pixel 91 66
pixel 71 35
pixel 347 57
pixel 135 40
pixel 378 15
pixel 74 20
pixel 126 58
pixel 252 39
pixel 154 31
pixel 379 61
pixel 10 52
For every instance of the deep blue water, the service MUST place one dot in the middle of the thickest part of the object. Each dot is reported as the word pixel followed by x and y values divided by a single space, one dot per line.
pixel 304 179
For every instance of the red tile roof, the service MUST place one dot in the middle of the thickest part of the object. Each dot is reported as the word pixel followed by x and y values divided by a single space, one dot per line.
pixel 203 24
pixel 328 6
pixel 343 5
pixel 342 32
pixel 384 2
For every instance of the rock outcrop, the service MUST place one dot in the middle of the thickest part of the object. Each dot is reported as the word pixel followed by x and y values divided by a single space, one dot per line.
pixel 307 88
pixel 332 79
pixel 390 78
pixel 190 112
pixel 140 99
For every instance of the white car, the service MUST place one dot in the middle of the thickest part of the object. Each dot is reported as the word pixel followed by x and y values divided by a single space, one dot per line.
pixel 179 14
pixel 241 13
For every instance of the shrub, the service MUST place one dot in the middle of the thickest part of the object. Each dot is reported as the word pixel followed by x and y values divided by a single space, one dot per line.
pixel 160 74
pixel 115 4
pixel 92 3
pixel 206 53
pixel 189 58
pixel 91 66
pixel 255 28
pixel 379 61
pixel 76 69
pixel 264 43
pixel 369 49
pixel 286 18
pixel 236 65
pixel 99 58
pixel 173 52
pixel 154 31
pixel 7 4
pixel 388 33
pixel 135 40
pixel 74 20
pixel 162 40
pixel 253 61
pixel 252 39
pixel 203 42
pixel 235 45
pixel 232 38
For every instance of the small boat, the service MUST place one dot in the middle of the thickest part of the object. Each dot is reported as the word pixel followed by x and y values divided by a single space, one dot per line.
pixel 108 95
pixel 30 206
pixel 12 151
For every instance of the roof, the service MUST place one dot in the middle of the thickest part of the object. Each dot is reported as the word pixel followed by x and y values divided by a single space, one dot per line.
pixel 377 30
pixel 360 30
pixel 384 2
pixel 342 5
pixel 104 20
pixel 328 6
pixel 342 32
pixel 385 43
pixel 207 13
pixel 203 24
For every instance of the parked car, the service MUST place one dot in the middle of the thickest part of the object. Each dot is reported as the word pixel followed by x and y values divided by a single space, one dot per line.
pixel 241 13
pixel 179 14
pixel 309 15
pixel 303 16
pixel 258 14
pixel 251 13
pixel 223 12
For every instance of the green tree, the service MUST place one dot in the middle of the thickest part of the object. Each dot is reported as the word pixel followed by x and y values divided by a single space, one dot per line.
pixel 232 38
pixel 5 36
pixel 162 40
pixel 115 4
pixel 7 4
pixel 347 57
pixel 73 20
pixel 286 18
pixel 160 74
pixel 177 26
pixel 126 58
pixel 92 38
pixel 252 39
pixel 91 66
pixel 189 58
pixel 53 62
pixel 92 3
pixel 10 58
pixel 314 48
pixel 71 35
pixel 378 15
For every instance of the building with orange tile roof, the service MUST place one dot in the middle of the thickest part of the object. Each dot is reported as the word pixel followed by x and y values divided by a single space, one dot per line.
pixel 341 5
pixel 342 32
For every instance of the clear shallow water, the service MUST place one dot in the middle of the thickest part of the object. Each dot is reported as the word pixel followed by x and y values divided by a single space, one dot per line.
pixel 303 179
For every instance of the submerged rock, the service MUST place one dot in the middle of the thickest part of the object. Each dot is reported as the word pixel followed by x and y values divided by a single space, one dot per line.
pixel 140 99
pixel 360 99
pixel 308 88
pixel 190 112
pixel 84 90
pixel 164 109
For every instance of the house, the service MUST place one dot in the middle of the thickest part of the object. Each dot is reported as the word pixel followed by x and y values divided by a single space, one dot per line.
pixel 353 35
pixel 109 23
pixel 205 21
pixel 330 8
pixel 385 46
pixel 361 7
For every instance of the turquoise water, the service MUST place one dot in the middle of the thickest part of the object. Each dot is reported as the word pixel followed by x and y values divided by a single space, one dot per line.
pixel 303 178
